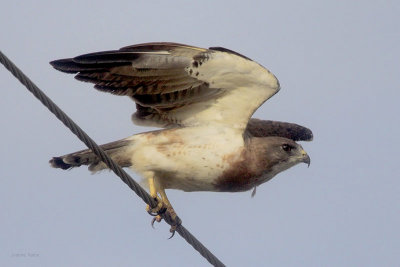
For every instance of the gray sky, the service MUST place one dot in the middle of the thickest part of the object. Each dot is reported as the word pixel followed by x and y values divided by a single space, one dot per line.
pixel 338 65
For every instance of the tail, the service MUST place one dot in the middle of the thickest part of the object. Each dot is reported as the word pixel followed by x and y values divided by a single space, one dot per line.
pixel 119 151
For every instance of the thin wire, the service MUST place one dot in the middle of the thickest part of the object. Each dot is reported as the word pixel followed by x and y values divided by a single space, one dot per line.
pixel 125 177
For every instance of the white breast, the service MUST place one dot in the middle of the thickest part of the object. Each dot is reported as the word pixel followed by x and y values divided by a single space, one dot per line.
pixel 188 159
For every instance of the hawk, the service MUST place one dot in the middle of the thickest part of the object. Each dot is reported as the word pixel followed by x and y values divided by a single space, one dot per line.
pixel 203 100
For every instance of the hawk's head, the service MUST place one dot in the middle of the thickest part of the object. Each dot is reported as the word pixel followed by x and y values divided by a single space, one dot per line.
pixel 261 160
pixel 276 154
pixel 279 151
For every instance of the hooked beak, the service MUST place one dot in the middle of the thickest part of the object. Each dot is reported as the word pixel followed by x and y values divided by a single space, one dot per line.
pixel 306 158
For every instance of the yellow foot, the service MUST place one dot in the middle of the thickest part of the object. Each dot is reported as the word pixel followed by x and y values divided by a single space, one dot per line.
pixel 160 208
pixel 171 218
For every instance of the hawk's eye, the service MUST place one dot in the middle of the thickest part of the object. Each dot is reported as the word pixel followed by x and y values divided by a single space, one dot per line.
pixel 287 147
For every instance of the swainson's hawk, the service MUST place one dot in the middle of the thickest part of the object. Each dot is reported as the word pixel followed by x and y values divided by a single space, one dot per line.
pixel 204 100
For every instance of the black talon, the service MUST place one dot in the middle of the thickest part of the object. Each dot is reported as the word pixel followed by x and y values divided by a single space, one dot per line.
pixel 172 230
pixel 152 222
pixel 155 219
pixel 162 210
pixel 171 218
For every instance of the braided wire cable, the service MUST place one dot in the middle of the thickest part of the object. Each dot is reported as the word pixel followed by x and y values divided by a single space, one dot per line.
pixel 125 177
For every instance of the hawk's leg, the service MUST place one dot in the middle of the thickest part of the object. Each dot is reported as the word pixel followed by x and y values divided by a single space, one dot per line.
pixel 158 193
pixel 165 204
pixel 153 193
pixel 172 217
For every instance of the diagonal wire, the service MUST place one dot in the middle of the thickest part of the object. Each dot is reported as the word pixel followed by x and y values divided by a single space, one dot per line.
pixel 125 177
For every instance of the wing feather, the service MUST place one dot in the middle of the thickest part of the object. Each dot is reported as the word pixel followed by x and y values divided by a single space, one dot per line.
pixel 177 84
pixel 264 128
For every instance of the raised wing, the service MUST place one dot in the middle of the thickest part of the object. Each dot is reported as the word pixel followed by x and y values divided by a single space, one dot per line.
pixel 174 84
pixel 263 128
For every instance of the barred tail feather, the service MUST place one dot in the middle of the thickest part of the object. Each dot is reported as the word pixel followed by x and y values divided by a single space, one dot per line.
pixel 117 150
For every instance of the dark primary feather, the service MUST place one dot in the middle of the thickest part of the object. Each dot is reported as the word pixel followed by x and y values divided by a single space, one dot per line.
pixel 105 57
pixel 70 65
pixel 264 128
pixel 153 74
pixel 155 46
